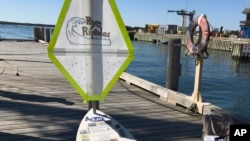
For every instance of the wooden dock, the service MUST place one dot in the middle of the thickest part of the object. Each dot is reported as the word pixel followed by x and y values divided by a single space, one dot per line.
pixel 40 105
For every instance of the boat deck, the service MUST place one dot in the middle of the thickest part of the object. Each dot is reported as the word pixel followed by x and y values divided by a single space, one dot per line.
pixel 40 105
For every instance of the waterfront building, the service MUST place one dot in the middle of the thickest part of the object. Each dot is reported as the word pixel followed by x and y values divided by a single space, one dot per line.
pixel 151 28
pixel 167 29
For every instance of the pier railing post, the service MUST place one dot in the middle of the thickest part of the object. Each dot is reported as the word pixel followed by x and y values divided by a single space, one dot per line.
pixel 36 34
pixel 173 64
pixel 196 96
pixel 47 31
pixel 41 31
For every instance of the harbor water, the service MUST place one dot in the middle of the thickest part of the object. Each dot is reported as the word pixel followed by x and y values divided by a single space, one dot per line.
pixel 225 82
pixel 16 32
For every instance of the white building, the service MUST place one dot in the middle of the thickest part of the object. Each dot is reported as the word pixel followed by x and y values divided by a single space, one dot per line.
pixel 167 29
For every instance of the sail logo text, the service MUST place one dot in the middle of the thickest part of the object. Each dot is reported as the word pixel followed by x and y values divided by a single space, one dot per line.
pixel 94 28
pixel 87 31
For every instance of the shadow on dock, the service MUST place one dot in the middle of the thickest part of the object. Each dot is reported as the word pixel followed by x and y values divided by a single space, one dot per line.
pixel 33 98
pixel 36 121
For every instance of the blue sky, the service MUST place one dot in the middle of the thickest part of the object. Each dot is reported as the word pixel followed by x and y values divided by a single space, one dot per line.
pixel 226 13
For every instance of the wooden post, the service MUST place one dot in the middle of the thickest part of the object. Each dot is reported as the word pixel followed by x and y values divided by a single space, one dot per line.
pixel 173 64
pixel 36 34
pixel 47 39
pixel 41 32
pixel 196 95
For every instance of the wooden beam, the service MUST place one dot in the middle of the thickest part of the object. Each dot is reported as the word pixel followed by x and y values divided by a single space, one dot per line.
pixel 170 96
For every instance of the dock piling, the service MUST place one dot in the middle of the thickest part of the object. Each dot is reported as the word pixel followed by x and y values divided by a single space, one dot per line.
pixel 173 64
pixel 41 33
pixel 47 31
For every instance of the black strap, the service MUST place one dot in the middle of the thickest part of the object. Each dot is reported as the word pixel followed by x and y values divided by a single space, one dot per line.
pixel 205 54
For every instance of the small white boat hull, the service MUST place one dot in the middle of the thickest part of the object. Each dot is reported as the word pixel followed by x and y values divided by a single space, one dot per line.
pixel 101 127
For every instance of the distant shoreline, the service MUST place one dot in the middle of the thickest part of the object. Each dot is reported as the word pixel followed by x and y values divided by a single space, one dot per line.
pixel 129 28
pixel 30 24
